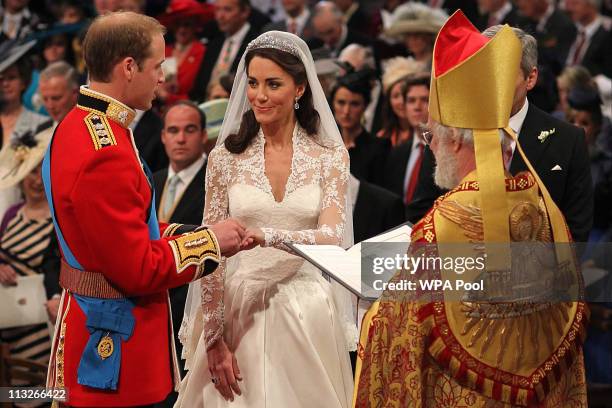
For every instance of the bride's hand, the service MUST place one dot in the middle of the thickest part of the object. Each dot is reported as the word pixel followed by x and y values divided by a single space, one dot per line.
pixel 224 371
pixel 256 237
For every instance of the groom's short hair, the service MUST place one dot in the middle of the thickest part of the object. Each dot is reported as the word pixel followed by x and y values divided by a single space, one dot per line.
pixel 115 36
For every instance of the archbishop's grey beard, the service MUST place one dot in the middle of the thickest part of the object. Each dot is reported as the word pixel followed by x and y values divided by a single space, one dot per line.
pixel 447 166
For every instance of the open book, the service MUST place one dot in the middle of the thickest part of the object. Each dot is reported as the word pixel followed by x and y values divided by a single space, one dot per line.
pixel 344 266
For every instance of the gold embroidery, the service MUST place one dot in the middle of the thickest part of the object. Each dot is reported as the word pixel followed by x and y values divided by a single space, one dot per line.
pixel 525 222
pixel 193 249
pixel 99 130
pixel 59 353
pixel 106 347
pixel 117 111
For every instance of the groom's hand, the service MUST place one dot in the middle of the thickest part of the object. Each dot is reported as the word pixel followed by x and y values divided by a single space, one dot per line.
pixel 229 233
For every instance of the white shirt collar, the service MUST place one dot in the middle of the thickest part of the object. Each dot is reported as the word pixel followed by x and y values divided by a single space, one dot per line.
pixel 139 115
pixel 300 20
pixel 239 35
pixel 341 41
pixel 516 120
pixel 545 17
pixel 187 174
pixel 590 28
pixel 501 13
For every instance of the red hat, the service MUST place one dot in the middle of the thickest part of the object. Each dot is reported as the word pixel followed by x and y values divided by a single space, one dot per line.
pixel 180 10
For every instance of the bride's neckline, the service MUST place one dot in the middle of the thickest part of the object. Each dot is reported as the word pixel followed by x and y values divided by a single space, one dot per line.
pixel 288 183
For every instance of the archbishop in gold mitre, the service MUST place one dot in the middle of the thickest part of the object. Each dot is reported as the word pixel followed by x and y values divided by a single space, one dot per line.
pixel 448 352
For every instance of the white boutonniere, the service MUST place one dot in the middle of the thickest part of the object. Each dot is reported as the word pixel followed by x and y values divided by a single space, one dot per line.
pixel 544 134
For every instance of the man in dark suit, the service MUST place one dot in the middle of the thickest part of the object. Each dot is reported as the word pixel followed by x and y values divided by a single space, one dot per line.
pixel 594 40
pixel 179 188
pixel 331 31
pixel 560 157
pixel 298 20
pixel 375 210
pixel 498 12
pixel 552 28
pixel 147 127
pixel 355 17
pixel 223 52
pixel 403 167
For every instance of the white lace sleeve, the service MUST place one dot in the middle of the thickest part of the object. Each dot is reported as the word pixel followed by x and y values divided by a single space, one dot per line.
pixel 332 217
pixel 215 210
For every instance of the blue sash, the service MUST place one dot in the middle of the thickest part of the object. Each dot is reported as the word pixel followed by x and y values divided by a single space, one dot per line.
pixel 106 318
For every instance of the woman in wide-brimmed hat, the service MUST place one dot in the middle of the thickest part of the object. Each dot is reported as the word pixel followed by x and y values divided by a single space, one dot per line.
pixel 417 26
pixel 27 243
pixel 395 121
pixel 15 119
pixel 183 18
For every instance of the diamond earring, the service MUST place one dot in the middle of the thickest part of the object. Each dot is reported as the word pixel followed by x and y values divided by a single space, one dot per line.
pixel 297 105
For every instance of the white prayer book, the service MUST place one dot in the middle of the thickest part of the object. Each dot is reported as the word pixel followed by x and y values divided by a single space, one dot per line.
pixel 24 304
pixel 344 266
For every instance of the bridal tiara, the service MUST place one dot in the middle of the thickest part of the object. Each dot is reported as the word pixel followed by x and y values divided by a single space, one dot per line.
pixel 270 41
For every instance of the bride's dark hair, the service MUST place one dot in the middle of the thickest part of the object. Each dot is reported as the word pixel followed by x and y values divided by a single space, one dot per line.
pixel 306 115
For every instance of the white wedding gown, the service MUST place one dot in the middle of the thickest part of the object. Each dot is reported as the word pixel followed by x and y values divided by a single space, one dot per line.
pixel 278 314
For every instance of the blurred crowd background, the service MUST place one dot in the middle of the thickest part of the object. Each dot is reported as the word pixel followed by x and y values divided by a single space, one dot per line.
pixel 373 59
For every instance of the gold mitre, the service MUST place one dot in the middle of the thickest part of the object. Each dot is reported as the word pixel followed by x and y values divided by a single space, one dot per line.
pixel 472 86
pixel 473 77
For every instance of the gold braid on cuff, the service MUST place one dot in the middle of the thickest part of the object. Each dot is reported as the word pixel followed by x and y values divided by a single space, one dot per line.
pixel 193 249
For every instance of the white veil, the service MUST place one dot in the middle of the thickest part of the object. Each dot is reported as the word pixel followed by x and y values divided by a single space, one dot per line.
pixel 328 136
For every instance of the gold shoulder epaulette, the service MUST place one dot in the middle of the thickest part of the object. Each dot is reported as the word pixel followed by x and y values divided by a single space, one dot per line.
pixel 100 130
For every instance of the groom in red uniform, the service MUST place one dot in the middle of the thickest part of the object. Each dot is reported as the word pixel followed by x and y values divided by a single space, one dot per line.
pixel 113 335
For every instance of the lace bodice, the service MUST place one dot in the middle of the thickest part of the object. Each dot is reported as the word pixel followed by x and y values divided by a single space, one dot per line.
pixel 312 210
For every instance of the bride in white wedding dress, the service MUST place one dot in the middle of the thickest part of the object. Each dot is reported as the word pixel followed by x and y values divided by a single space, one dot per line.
pixel 267 316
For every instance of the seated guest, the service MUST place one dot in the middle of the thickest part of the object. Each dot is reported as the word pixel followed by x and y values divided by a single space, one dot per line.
pixel 405 161
pixel 26 232
pixel 417 25
pixel 356 57
pixel 223 52
pixel 367 153
pixel 396 126
pixel 298 20
pixel 331 31
pixel 552 28
pixel 183 18
pixel 356 18
pixel 586 114
pixel 58 89
pixel 570 78
pixel 496 12
pixel 591 49
pixel 220 88
pixel 55 48
pixel 15 119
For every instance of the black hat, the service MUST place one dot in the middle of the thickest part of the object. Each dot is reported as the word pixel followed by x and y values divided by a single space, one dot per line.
pixel 584 98
pixel 11 51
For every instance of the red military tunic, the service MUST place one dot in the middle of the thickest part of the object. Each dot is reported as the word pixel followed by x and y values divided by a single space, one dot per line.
pixel 102 199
